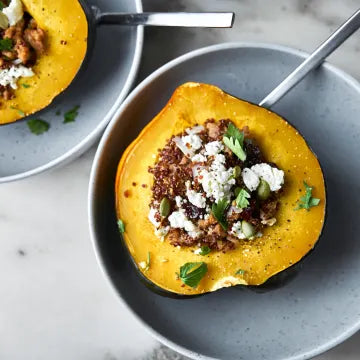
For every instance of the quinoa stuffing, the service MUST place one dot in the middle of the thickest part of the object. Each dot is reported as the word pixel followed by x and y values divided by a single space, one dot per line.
pixel 213 187
pixel 22 41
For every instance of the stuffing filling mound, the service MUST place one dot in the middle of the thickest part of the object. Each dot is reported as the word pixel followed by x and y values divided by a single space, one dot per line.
pixel 21 43
pixel 213 188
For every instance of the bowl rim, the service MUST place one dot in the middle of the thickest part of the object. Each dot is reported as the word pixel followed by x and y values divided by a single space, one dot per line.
pixel 95 134
pixel 100 151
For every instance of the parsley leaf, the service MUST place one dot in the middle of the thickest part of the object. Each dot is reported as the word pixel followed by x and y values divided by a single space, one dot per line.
pixel 234 132
pixel 18 110
pixel 307 201
pixel 26 86
pixel 234 140
pixel 71 115
pixel 6 44
pixel 2 5
pixel 240 272
pixel 38 126
pixel 204 250
pixel 242 199
pixel 121 226
pixel 218 211
pixel 191 273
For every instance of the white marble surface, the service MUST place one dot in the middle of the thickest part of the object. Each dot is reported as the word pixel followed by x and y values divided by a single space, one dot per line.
pixel 54 301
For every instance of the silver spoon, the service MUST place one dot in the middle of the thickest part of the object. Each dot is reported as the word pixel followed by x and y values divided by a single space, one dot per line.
pixel 314 60
pixel 177 19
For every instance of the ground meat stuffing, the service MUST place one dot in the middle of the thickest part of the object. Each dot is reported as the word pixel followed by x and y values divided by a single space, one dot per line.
pixel 214 197
pixel 24 43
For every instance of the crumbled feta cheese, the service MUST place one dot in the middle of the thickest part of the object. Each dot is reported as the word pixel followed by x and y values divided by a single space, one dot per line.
pixel 251 180
pixel 14 11
pixel 217 181
pixel 11 75
pixel 142 264
pixel 179 220
pixel 273 176
pixel 213 148
pixel 197 251
pixel 234 210
pixel 196 170
pixel 194 197
pixel 151 217
pixel 179 201
pixel 236 230
pixel 188 144
pixel 194 130
pixel 198 158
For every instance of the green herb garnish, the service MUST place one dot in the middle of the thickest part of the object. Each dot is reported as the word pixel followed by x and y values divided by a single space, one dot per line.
pixel 218 211
pixel 18 110
pixel 307 201
pixel 242 199
pixel 2 5
pixel 26 86
pixel 148 261
pixel 121 226
pixel 240 272
pixel 191 273
pixel 71 115
pixel 38 126
pixel 234 140
pixel 204 250
pixel 6 44
pixel 58 113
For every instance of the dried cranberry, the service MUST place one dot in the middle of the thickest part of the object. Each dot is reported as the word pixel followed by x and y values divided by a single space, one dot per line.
pixel 192 211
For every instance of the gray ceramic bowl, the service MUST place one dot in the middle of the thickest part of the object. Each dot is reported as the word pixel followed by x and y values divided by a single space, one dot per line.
pixel 320 307
pixel 107 79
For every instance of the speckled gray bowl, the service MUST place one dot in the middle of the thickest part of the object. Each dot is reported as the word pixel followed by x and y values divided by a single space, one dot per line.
pixel 107 79
pixel 320 307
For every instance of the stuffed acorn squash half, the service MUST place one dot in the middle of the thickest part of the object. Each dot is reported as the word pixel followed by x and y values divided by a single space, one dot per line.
pixel 217 192
pixel 42 46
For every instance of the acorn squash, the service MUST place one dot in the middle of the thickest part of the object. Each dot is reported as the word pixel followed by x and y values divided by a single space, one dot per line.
pixel 66 30
pixel 281 246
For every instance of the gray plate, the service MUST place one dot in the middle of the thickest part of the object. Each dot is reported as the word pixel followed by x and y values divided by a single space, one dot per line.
pixel 100 90
pixel 320 307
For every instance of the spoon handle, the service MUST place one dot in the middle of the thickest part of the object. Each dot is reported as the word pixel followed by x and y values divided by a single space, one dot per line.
pixel 182 19
pixel 314 60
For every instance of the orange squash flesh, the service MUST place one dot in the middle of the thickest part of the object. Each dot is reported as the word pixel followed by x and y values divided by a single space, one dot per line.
pixel 284 244
pixel 66 29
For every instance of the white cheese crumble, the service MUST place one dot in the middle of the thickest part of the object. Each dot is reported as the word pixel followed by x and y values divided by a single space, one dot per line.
pixel 10 76
pixel 179 220
pixel 273 176
pixel 197 251
pixel 251 180
pixel 142 264
pixel 194 130
pixel 236 230
pixel 196 198
pixel 198 158
pixel 151 217
pixel 14 11
pixel 178 201
pixel 188 144
pixel 217 181
pixel 213 148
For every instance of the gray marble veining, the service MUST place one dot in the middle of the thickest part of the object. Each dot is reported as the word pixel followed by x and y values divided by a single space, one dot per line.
pixel 54 301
